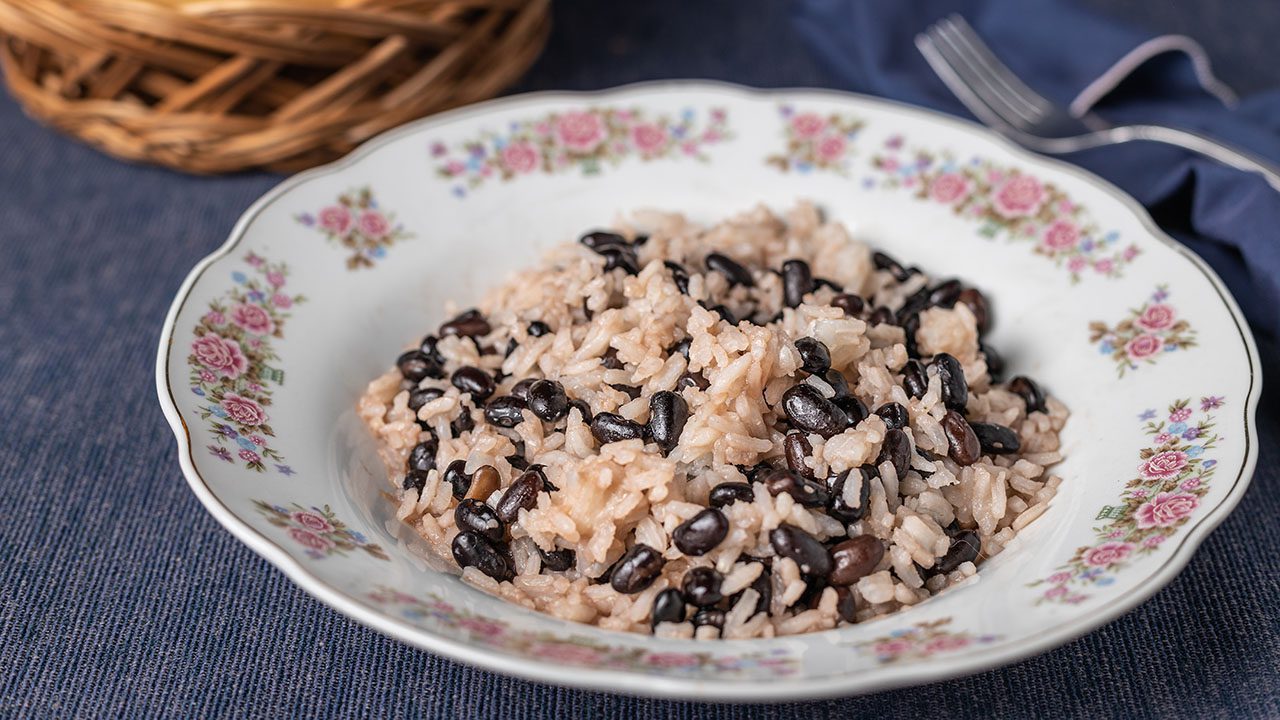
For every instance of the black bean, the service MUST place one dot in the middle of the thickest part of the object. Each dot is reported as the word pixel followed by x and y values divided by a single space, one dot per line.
pixel 897 450
pixel 518 462
pixel 733 272
pixel 946 293
pixel 996 439
pixel 914 379
pixel 1027 389
pixel 610 427
pixel 537 328
pixel 681 347
pixel 631 391
pixel 521 389
pixel 757 472
pixel 725 314
pixel 548 400
pixel 428 348
pixel 965 547
pixel 668 606
pixel 701 533
pixel 599 239
pixel 953 528
pixel 917 301
pixel 463 423
pixel 421 396
pixel 805 492
pixel 832 285
pixel 610 359
pixel 458 478
pixel 854 409
pixel 521 494
pixel 415 481
pixel 415 367
pixel 422 458
pixel 471 549
pixel 620 257
pixel 883 261
pixel 814 355
pixel 851 304
pixel 763 587
pixel 558 560
pixel 679 275
pixel 841 510
pixel 468 324
pixel 812 595
pixel 797 449
pixel 846 607
pixel 881 316
pixel 911 326
pixel 797 282
pixel 637 569
pixel 506 411
pixel 471 379
pixel 692 379
pixel 583 409
pixel 789 541
pixel 836 380
pixel 639 240
pixel 894 414
pixel 808 410
pixel 855 558
pixel 955 390
pixel 668 412
pixel 729 493
pixel 977 303
pixel 995 363
pixel 709 616
pixel 474 515
pixel 964 446
pixel 701 586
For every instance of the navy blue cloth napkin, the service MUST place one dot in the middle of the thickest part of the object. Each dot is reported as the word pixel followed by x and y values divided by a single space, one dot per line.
pixel 1073 56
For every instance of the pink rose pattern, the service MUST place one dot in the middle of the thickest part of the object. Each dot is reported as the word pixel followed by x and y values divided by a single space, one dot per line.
pixel 585 140
pixel 230 363
pixel 1172 477
pixel 1146 334
pixel 1004 201
pixel 815 142
pixel 922 641
pixel 318 530
pixel 578 651
pixel 357 224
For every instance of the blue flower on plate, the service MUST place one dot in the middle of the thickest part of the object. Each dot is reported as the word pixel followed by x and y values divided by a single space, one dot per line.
pixel 1178 428
pixel 1196 451
pixel 1147 414
pixel 378 252
pixel 1106 580
pixel 1106 348
pixel 1210 463
pixel 198 391
pixel 246 443
pixel 239 277
pixel 216 410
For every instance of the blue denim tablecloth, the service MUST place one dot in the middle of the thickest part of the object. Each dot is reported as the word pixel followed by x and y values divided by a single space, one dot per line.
pixel 121 597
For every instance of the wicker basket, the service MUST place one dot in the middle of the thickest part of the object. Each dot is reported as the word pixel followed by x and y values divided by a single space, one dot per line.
pixel 222 85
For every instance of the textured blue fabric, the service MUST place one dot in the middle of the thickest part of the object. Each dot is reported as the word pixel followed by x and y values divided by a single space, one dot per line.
pixel 120 597
pixel 1226 215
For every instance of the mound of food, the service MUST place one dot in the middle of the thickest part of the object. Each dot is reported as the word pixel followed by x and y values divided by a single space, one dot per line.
pixel 753 429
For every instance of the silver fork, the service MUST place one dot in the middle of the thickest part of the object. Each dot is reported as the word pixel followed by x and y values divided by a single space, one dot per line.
pixel 1003 102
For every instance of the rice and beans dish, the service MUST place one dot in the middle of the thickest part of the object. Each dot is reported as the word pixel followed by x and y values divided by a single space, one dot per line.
pixel 755 429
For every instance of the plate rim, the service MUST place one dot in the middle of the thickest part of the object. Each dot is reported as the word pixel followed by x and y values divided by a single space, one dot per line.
pixel 670 687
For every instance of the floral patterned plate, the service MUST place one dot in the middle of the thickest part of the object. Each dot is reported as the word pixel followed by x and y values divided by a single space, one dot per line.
pixel 273 337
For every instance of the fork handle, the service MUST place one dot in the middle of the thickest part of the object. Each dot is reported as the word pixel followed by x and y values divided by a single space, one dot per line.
pixel 1222 152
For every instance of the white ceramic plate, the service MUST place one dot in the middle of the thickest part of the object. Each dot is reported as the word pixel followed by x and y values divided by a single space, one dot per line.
pixel 304 304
